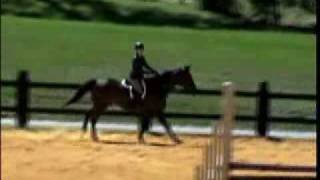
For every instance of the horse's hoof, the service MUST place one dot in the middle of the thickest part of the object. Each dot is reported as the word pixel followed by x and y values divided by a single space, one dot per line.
pixel 141 142
pixel 178 141
pixel 95 138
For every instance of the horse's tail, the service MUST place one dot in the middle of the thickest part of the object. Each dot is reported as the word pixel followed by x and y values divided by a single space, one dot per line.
pixel 81 91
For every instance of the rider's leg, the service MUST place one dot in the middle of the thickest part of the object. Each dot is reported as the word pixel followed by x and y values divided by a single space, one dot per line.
pixel 143 87
pixel 137 85
pixel 130 91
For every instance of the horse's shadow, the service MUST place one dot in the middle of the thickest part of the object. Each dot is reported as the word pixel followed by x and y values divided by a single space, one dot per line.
pixel 112 142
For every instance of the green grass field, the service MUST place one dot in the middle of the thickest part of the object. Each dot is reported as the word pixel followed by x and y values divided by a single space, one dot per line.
pixel 65 51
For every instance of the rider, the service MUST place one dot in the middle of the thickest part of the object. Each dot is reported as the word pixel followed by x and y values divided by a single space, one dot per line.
pixel 139 68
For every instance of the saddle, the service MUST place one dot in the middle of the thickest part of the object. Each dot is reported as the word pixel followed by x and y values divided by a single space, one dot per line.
pixel 134 88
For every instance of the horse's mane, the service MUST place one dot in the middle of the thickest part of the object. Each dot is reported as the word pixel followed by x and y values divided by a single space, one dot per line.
pixel 170 71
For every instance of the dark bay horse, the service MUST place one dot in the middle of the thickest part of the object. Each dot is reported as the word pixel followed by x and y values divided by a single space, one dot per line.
pixel 153 105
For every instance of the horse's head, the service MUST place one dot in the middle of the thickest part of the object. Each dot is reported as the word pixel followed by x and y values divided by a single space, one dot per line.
pixel 182 77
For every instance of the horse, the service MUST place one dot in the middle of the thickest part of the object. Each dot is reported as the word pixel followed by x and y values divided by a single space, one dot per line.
pixel 113 93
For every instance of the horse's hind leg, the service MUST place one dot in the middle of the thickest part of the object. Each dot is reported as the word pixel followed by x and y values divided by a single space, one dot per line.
pixel 96 112
pixel 170 132
pixel 85 123
pixel 144 125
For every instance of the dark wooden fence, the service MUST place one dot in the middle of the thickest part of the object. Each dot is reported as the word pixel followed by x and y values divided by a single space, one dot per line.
pixel 23 84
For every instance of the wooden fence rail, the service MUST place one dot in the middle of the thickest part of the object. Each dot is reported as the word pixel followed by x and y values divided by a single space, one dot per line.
pixel 205 92
pixel 263 97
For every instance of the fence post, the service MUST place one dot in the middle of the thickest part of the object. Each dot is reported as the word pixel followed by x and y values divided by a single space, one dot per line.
pixel 22 99
pixel 263 106
pixel 276 12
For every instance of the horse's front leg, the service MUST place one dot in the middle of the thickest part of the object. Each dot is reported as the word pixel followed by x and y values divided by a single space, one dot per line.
pixel 143 127
pixel 167 126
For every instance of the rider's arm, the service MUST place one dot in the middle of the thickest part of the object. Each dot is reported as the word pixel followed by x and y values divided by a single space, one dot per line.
pixel 149 68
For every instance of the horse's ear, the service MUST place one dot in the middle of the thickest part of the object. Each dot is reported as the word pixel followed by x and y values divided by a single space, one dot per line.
pixel 187 68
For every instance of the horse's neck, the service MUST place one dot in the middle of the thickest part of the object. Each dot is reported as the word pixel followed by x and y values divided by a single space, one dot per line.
pixel 162 83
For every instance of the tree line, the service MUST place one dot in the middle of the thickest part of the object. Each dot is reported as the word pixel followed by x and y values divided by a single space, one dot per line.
pixel 268 11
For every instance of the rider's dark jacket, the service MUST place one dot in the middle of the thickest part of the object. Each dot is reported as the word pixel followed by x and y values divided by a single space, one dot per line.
pixel 140 67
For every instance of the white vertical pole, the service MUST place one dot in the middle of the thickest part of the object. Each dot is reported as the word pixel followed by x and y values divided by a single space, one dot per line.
pixel 229 111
